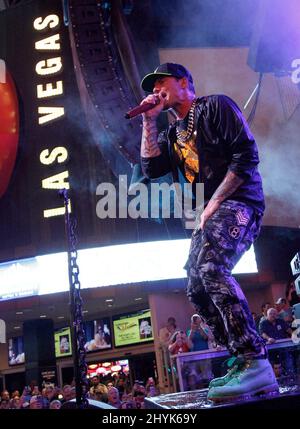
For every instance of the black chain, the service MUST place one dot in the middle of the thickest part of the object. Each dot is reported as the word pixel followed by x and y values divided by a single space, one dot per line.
pixel 78 333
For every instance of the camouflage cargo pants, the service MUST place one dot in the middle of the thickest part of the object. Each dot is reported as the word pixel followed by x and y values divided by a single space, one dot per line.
pixel 212 289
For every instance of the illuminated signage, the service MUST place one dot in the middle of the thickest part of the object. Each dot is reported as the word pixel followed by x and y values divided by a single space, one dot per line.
pixel 49 68
pixel 137 262
pixel 62 342
pixel 133 328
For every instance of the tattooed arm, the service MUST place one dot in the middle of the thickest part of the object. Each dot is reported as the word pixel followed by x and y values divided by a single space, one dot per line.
pixel 149 146
pixel 155 160
pixel 229 185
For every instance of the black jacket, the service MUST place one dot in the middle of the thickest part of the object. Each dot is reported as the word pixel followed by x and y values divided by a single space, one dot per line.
pixel 224 143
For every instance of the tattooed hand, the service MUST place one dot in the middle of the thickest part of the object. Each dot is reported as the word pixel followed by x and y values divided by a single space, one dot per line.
pixel 158 101
pixel 208 212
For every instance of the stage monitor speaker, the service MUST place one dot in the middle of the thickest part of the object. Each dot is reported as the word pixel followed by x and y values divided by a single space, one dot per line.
pixel 275 41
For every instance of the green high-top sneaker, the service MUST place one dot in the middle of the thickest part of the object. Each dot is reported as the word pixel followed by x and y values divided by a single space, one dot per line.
pixel 254 378
pixel 234 365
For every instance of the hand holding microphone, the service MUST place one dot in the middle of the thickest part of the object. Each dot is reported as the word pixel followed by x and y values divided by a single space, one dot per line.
pixel 147 105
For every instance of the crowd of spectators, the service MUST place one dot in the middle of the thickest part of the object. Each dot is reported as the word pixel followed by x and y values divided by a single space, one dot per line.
pixel 274 324
pixel 115 392
pixel 196 337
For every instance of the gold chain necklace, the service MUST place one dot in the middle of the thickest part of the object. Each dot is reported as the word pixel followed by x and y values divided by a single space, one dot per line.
pixel 184 135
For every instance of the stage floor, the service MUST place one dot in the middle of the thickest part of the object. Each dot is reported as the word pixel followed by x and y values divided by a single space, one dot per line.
pixel 288 398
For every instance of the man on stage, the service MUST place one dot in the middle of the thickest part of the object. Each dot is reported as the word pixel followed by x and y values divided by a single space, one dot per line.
pixel 210 142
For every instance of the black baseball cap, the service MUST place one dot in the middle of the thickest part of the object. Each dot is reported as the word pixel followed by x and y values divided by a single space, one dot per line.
pixel 166 69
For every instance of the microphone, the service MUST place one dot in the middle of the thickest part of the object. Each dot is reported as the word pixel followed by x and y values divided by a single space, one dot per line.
pixel 138 110
pixel 142 108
